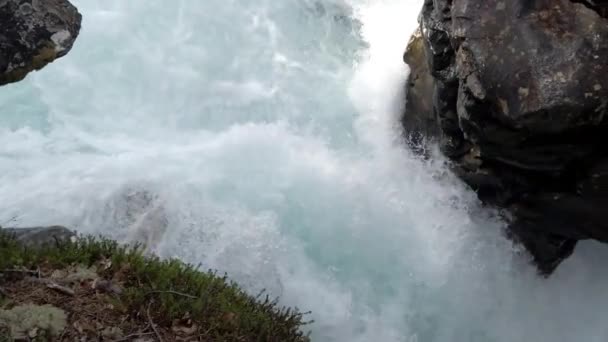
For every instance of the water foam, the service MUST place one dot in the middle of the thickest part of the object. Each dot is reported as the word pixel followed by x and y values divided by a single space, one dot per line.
pixel 270 150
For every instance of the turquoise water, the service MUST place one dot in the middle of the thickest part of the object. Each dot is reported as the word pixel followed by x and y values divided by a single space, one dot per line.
pixel 260 138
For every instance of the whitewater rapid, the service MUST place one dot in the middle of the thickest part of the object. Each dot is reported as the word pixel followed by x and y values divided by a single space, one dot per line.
pixel 261 138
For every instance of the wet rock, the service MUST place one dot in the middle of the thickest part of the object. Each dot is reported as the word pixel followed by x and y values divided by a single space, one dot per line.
pixel 40 236
pixel 520 100
pixel 419 92
pixel 140 211
pixel 34 33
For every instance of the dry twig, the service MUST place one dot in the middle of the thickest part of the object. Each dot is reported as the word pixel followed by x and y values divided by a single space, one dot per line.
pixel 160 339
pixel 22 271
pixel 174 293
pixel 53 286
pixel 12 219
pixel 65 290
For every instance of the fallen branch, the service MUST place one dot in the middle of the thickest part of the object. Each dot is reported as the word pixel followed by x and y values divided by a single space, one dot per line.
pixel 174 293
pixel 65 290
pixel 160 339
pixel 53 286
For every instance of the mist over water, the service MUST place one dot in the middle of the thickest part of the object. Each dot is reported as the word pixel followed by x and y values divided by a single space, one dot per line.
pixel 261 138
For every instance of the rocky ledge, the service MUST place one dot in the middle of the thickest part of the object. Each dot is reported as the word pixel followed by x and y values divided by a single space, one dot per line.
pixel 516 94
pixel 39 236
pixel 34 33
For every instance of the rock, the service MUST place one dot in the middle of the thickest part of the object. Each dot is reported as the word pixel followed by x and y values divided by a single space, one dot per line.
pixel 419 92
pixel 141 211
pixel 520 100
pixel 40 236
pixel 600 6
pixel 27 322
pixel 34 33
pixel 75 274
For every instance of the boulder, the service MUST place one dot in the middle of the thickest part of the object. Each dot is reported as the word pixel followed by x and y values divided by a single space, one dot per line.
pixel 520 98
pixel 34 33
pixel 33 322
pixel 40 236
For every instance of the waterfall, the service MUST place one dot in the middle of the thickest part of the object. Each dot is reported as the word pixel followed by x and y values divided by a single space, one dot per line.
pixel 261 138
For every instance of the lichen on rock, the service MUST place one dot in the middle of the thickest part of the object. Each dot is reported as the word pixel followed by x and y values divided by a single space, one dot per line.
pixel 34 33
pixel 31 321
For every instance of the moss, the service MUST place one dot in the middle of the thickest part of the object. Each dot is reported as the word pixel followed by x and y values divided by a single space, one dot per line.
pixel 167 289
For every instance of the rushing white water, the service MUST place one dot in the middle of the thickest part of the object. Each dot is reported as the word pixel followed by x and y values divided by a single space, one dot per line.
pixel 260 138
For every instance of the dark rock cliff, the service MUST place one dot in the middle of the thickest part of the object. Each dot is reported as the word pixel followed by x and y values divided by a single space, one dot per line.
pixel 518 97
pixel 34 33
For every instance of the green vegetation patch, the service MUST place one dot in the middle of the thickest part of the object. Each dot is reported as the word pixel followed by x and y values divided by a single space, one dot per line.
pixel 170 296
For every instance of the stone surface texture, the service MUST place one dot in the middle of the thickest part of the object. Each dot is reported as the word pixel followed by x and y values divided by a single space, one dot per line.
pixel 34 33
pixel 519 98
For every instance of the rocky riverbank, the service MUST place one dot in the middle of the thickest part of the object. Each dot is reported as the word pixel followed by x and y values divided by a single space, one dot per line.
pixel 516 95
